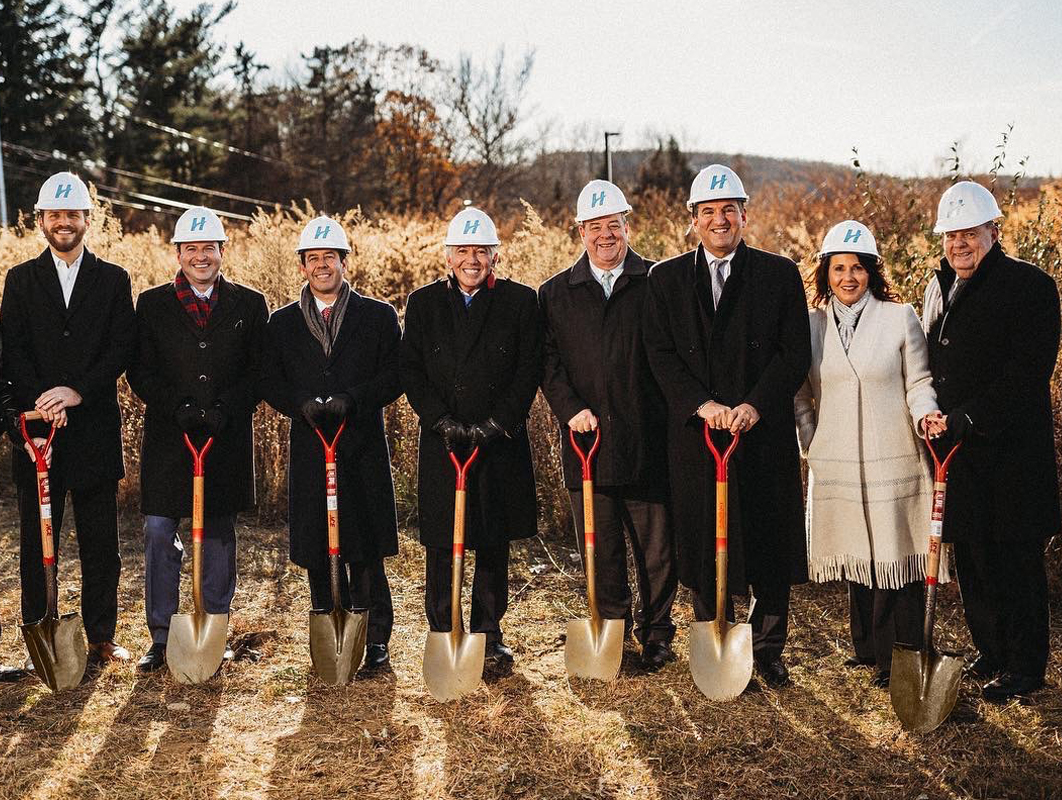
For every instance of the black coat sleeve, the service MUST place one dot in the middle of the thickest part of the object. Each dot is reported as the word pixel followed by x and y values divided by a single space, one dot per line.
pixel 784 374
pixel 684 391
pixel 384 387
pixel 18 366
pixel 97 381
pixel 241 397
pixel 556 384
pixel 513 406
pixel 144 376
pixel 422 395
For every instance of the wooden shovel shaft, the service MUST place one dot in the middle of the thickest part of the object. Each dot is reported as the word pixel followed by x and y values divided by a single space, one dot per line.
pixel 198 492
pixel 589 531
pixel 458 577
pixel 721 550
pixel 936 529
pixel 332 503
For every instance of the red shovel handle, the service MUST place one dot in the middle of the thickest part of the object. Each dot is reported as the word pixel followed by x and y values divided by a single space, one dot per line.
pixel 462 467
pixel 941 468
pixel 585 458
pixel 39 454
pixel 721 461
pixel 198 456
pixel 330 448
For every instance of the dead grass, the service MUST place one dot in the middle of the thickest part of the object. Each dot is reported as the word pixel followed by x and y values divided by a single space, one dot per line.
pixel 267 729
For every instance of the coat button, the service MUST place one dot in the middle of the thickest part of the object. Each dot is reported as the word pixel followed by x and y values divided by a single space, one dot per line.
pixel 945 342
pixel 202 378
pixel 328 373
pixel 202 345
pixel 66 333
pixel 943 379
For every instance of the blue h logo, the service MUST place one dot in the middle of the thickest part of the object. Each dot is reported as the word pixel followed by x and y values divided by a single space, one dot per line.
pixel 718 182
pixel 322 232
pixel 63 190
pixel 471 226
pixel 198 224
pixel 852 235
pixel 597 199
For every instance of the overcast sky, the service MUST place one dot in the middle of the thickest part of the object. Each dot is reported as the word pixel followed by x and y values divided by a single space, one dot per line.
pixel 899 80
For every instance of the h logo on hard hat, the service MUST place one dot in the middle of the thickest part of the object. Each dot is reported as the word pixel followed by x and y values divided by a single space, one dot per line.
pixel 471 226
pixel 198 224
pixel 718 182
pixel 63 190
pixel 852 235
pixel 597 199
pixel 322 232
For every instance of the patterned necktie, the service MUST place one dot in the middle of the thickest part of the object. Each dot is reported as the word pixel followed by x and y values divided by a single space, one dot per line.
pixel 326 312
pixel 606 284
pixel 718 279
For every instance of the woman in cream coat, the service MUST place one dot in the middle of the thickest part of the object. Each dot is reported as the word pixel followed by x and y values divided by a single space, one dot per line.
pixel 867 399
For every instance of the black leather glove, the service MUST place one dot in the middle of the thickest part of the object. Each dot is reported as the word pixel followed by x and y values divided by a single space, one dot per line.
pixel 960 426
pixel 313 411
pixel 453 433
pixel 215 418
pixel 339 406
pixel 483 433
pixel 190 418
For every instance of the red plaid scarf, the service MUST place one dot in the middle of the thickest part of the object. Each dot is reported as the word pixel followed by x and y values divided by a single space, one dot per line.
pixel 198 309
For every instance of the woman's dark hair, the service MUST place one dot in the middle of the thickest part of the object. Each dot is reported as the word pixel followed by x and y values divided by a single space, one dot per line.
pixel 877 286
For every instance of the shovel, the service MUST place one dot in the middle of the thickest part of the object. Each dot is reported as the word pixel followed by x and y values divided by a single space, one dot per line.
pixel 56 643
pixel 593 647
pixel 721 651
pixel 453 660
pixel 196 642
pixel 337 637
pixel 924 684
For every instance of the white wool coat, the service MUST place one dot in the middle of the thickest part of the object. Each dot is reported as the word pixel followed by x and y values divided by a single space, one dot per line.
pixel 858 420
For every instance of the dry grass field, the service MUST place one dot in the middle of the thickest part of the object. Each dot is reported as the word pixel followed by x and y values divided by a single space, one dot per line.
pixel 265 728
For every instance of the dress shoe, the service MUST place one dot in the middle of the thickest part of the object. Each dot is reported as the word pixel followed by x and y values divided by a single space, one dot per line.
pixel 1010 685
pixel 855 662
pixel 982 669
pixel 774 673
pixel 154 659
pixel 377 656
pixel 655 655
pixel 10 674
pixel 881 680
pixel 498 655
pixel 229 654
pixel 101 652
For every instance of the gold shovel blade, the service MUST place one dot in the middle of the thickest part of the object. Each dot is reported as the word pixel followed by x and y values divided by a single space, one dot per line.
pixel 337 644
pixel 452 668
pixel 721 658
pixel 590 653
pixel 196 646
pixel 923 687
pixel 57 649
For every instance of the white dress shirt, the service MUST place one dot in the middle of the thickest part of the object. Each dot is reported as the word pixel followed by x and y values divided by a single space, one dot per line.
pixel 67 275
pixel 599 275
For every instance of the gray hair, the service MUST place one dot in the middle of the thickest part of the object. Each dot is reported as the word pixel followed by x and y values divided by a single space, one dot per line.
pixel 492 250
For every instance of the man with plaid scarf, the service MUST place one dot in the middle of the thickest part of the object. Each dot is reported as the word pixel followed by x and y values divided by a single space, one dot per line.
pixel 197 370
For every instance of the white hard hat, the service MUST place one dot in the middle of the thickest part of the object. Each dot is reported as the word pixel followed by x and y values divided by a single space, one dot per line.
pixel 849 237
pixel 198 224
pixel 715 182
pixel 600 199
pixel 471 226
pixel 64 191
pixel 965 205
pixel 323 233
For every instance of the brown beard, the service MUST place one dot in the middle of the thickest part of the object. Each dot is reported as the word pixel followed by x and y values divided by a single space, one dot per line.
pixel 54 244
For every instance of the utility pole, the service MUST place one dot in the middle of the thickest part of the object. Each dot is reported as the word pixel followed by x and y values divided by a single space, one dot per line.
pixel 608 154
pixel 3 188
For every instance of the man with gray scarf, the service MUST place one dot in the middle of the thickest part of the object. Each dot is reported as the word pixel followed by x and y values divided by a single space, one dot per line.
pixel 332 357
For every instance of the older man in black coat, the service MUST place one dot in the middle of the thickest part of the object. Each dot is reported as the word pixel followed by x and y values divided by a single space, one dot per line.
pixel 993 328
pixel 69 332
pixel 471 364
pixel 331 356
pixel 597 377
pixel 727 335
pixel 197 370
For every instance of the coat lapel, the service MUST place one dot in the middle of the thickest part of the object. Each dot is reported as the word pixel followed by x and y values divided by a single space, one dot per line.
pixel 734 283
pixel 352 318
pixel 478 312
pixel 867 332
pixel 87 274
pixel 49 280
pixel 224 308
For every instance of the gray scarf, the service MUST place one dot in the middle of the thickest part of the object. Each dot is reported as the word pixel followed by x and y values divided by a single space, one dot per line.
pixel 325 334
pixel 848 316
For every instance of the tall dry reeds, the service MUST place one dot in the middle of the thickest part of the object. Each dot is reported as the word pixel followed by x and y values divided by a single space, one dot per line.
pixel 393 255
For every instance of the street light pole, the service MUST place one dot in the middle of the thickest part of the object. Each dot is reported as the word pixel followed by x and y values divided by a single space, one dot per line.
pixel 3 189
pixel 608 154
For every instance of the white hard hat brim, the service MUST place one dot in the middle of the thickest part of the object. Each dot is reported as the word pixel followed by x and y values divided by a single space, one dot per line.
pixel 582 219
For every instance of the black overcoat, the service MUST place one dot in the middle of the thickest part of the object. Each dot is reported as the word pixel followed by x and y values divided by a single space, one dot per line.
pixel 595 358
pixel 177 361
pixel 475 364
pixel 755 349
pixel 86 347
pixel 363 364
pixel 992 356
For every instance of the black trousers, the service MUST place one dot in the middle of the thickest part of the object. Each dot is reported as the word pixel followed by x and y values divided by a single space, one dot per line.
pixel 768 615
pixel 1004 597
pixel 362 585
pixel 490 589
pixel 96 524
pixel 881 617
pixel 648 526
